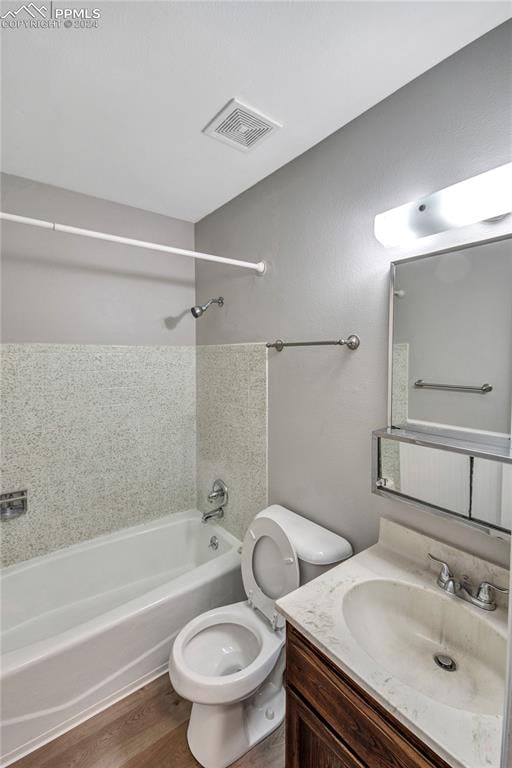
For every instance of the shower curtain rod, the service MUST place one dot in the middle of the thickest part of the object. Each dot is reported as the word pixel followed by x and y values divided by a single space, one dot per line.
pixel 259 267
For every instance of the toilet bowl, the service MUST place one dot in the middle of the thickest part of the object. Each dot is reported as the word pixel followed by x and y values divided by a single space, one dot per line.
pixel 230 661
pixel 224 655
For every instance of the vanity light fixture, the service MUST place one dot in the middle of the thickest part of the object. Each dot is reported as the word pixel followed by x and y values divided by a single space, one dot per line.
pixel 483 197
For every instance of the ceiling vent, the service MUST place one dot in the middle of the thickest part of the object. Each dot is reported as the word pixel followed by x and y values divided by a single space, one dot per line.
pixel 241 126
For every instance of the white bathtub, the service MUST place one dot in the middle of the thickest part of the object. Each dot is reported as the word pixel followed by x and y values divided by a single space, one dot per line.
pixel 85 626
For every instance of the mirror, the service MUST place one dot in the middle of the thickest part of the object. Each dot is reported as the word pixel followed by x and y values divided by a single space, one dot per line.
pixel 452 341
pixel 447 446
pixel 477 489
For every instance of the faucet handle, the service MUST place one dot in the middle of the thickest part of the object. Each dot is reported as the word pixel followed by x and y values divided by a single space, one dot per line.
pixel 486 590
pixel 219 492
pixel 445 574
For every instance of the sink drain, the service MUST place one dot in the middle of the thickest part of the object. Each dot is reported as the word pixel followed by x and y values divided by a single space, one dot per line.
pixel 445 662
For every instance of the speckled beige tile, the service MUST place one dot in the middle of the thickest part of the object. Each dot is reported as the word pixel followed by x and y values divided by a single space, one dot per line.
pixel 400 385
pixel 101 437
pixel 105 437
pixel 390 463
pixel 232 429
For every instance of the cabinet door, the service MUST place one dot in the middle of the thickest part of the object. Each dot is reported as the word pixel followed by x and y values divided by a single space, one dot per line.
pixel 361 725
pixel 310 743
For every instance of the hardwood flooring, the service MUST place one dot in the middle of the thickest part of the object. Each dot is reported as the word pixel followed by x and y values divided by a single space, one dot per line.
pixel 145 730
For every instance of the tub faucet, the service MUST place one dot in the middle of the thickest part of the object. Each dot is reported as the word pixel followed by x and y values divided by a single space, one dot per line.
pixel 219 493
pixel 219 512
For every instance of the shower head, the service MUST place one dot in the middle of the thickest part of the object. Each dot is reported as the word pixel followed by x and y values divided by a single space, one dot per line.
pixel 201 308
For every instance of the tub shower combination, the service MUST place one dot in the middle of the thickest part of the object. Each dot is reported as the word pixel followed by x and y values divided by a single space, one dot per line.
pixel 84 626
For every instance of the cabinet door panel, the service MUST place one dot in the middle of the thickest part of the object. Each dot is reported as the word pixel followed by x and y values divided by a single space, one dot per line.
pixel 357 720
pixel 310 744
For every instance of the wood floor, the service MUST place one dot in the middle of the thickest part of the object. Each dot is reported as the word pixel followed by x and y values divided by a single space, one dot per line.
pixel 146 730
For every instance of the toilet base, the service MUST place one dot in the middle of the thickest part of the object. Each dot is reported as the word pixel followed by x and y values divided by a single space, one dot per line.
pixel 218 734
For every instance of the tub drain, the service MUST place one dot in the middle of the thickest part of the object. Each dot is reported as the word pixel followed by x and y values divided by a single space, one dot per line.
pixel 445 662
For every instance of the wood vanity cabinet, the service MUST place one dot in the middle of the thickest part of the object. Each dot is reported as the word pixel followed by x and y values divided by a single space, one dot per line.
pixel 332 723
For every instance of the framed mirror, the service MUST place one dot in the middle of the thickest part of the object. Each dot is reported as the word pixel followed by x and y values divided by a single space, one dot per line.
pixel 447 446
pixel 451 341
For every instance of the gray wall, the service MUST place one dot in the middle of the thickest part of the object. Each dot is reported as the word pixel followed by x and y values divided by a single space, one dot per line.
pixel 313 220
pixel 59 288
pixel 456 317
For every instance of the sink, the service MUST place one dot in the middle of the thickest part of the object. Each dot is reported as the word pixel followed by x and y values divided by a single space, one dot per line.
pixel 433 660
pixel 437 645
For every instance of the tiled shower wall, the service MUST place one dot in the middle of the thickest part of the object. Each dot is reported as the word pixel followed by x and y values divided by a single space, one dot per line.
pixel 101 437
pixel 104 437
pixel 232 429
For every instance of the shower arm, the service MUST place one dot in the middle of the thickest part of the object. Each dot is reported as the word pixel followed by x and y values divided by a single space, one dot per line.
pixel 259 267
pixel 219 301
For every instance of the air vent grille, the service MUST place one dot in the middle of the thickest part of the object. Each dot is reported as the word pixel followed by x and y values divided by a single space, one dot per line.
pixel 240 125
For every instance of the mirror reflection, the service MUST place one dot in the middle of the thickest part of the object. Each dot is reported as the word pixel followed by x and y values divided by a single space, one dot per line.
pixel 475 488
pixel 452 340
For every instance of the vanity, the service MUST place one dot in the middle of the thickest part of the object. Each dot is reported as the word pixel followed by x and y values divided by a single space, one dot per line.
pixel 332 722
pixel 387 669
pixel 396 658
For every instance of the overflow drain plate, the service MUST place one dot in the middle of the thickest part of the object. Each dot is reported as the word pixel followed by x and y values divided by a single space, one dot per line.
pixel 446 663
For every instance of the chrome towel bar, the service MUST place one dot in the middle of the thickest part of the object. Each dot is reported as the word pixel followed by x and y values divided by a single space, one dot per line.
pixel 352 342
pixel 483 390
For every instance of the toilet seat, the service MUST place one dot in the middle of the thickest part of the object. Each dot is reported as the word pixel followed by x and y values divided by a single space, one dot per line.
pixel 194 682
pixel 270 567
pixel 224 655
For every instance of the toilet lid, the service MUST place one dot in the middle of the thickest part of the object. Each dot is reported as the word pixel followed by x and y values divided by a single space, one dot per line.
pixel 270 567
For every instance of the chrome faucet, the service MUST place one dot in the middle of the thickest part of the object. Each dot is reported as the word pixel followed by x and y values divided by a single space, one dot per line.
pixel 219 512
pixel 483 597
pixel 219 492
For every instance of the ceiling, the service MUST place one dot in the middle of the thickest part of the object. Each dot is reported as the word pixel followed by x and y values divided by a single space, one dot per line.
pixel 117 112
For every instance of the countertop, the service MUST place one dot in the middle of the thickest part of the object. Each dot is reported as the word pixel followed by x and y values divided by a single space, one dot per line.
pixel 462 738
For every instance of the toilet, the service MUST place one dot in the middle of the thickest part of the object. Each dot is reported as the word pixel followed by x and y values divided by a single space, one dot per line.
pixel 230 661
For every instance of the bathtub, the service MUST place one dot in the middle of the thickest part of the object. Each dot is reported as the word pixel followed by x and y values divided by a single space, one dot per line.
pixel 87 625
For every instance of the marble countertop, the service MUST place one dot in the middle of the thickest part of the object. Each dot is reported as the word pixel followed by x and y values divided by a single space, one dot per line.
pixel 464 739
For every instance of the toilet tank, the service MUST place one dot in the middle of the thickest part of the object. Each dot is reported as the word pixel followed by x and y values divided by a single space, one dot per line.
pixel 317 548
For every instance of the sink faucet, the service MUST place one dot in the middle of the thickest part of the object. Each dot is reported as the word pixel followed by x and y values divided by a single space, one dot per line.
pixel 483 597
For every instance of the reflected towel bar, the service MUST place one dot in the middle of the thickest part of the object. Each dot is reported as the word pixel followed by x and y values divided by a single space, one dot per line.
pixel 483 390
pixel 352 342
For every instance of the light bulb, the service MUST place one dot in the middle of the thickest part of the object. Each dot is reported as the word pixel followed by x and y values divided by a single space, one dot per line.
pixel 486 196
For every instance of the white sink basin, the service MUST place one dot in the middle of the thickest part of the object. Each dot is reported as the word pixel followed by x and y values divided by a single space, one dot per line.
pixel 403 626
pixel 381 617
